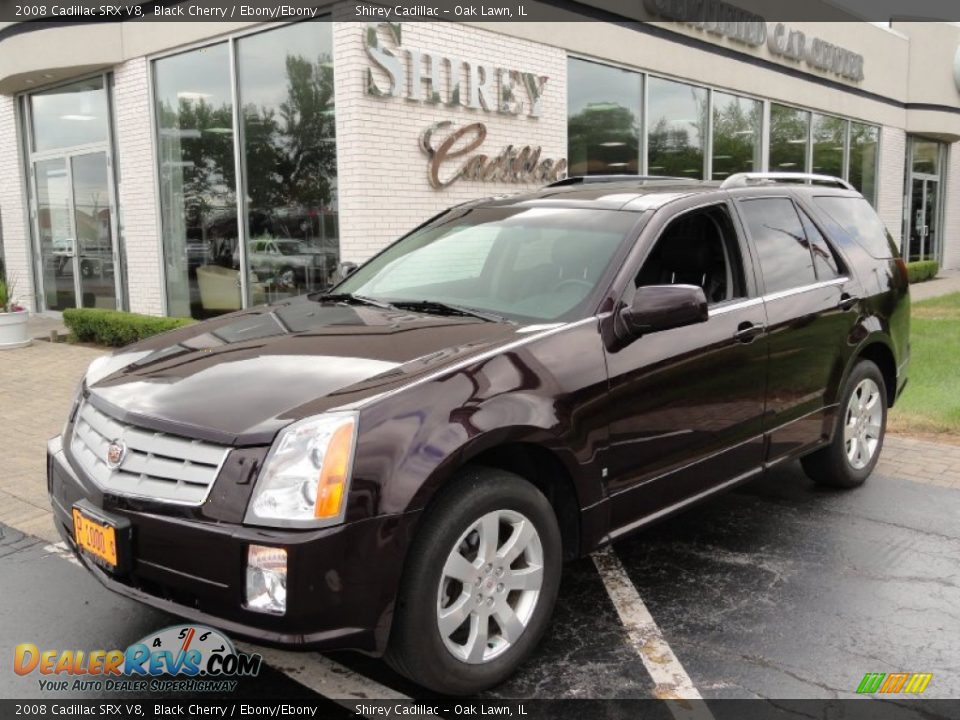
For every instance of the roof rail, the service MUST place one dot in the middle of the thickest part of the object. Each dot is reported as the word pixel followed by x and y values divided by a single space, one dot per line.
pixel 757 178
pixel 590 179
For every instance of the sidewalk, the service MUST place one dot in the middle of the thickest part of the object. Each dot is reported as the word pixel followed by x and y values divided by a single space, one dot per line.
pixel 946 282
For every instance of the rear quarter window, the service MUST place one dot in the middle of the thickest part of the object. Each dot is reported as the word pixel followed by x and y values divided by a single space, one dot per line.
pixel 859 220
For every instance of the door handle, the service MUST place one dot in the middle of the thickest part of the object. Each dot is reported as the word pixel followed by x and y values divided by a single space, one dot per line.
pixel 747 332
pixel 847 301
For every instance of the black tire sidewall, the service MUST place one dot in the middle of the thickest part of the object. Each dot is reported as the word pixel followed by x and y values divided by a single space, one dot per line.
pixel 423 654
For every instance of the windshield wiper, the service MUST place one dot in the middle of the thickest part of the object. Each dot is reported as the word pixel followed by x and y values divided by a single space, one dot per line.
pixel 441 308
pixel 356 299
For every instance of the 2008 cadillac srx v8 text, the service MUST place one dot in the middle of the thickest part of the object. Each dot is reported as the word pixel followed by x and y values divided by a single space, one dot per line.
pixel 402 464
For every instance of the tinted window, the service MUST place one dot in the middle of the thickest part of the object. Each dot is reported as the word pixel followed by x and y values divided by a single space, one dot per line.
pixel 860 222
pixel 781 244
pixel 824 259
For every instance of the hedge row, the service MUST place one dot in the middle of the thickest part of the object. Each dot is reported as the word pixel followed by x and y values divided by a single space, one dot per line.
pixel 922 270
pixel 115 328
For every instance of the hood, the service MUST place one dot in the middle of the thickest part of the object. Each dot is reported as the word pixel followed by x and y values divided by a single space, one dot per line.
pixel 238 379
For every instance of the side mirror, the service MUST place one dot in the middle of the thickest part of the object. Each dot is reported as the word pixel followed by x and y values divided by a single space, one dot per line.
pixel 662 307
pixel 345 270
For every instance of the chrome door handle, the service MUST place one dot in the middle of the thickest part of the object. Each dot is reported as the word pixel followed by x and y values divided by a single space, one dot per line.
pixel 747 332
pixel 847 301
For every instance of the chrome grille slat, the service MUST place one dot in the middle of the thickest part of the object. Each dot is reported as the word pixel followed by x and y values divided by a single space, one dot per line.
pixel 157 465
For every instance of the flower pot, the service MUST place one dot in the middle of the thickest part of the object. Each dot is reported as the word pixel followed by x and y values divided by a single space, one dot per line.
pixel 13 329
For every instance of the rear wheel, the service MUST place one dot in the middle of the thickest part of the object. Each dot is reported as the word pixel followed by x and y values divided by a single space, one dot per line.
pixel 480 584
pixel 850 458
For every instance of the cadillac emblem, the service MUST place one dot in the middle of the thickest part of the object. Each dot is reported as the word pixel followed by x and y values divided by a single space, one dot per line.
pixel 116 452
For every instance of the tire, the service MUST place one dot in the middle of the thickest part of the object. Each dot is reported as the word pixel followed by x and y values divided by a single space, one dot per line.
pixel 858 439
pixel 455 663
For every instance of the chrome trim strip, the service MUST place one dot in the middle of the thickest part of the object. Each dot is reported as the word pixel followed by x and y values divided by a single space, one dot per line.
pixel 805 288
pixel 732 307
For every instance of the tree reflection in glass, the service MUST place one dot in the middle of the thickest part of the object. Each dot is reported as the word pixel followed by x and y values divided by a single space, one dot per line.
pixel 290 161
pixel 603 126
pixel 678 121
pixel 789 130
pixel 736 135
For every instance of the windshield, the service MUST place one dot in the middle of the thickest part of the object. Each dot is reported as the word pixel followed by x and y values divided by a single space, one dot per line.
pixel 525 264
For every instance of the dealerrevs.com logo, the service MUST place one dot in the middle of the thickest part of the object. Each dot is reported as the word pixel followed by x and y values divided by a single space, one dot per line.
pixel 180 658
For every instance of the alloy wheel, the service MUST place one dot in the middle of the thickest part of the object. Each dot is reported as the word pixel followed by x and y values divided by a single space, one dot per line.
pixel 863 424
pixel 490 586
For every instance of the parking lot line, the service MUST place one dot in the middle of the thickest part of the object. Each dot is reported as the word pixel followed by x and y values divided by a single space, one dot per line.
pixel 324 676
pixel 61 550
pixel 671 680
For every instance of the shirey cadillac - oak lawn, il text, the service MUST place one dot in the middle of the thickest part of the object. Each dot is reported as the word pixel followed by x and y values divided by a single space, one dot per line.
pixel 401 464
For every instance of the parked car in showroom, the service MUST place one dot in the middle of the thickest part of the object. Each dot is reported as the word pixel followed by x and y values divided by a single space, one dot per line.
pixel 290 262
pixel 402 465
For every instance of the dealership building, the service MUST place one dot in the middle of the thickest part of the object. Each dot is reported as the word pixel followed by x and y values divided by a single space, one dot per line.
pixel 193 168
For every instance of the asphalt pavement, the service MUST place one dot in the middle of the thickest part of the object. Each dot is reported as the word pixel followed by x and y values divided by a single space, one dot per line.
pixel 776 590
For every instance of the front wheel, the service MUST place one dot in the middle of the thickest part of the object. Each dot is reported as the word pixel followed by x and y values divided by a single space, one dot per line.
pixel 480 584
pixel 850 458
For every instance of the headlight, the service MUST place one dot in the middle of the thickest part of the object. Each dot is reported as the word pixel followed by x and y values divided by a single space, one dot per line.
pixel 303 482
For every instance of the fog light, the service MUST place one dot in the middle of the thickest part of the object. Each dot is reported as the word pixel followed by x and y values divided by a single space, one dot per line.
pixel 267 579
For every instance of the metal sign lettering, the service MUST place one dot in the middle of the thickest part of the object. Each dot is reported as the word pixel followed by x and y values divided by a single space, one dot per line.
pixel 512 165
pixel 490 88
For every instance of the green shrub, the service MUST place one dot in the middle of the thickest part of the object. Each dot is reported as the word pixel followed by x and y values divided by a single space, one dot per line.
pixel 922 270
pixel 115 328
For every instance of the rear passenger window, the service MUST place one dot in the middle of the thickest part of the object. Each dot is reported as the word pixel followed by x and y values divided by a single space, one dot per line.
pixel 825 261
pixel 781 243
pixel 859 220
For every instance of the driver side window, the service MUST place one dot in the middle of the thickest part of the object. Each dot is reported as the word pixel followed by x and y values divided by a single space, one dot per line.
pixel 698 248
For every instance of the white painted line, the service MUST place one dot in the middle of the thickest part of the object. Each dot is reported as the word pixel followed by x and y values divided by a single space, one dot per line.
pixel 323 675
pixel 669 677
pixel 61 550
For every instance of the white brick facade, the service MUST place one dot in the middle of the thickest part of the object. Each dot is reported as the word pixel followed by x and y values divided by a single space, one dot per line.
pixel 890 179
pixel 135 169
pixel 382 173
pixel 13 216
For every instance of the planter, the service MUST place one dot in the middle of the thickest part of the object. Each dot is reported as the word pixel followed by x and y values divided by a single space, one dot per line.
pixel 13 330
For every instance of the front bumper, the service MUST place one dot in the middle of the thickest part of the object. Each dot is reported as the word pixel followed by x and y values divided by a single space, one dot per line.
pixel 341 582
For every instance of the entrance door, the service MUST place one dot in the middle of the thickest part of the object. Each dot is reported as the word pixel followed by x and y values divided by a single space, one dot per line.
pixel 74 226
pixel 924 230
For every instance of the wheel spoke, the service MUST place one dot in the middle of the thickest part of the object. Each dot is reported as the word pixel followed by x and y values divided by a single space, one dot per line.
pixel 521 536
pixel 489 529
pixel 510 626
pixel 861 454
pixel 873 430
pixel 849 430
pixel 477 640
pixel 528 578
pixel 872 399
pixel 452 617
pixel 459 568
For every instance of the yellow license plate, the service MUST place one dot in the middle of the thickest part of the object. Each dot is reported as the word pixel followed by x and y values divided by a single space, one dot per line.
pixel 95 538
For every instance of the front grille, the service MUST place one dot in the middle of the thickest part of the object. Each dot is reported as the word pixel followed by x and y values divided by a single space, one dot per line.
pixel 156 465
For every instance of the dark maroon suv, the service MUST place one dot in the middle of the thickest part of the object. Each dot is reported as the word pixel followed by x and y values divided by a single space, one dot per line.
pixel 401 465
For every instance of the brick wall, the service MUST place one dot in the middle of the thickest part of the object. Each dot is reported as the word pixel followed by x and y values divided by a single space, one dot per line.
pixel 135 169
pixel 951 225
pixel 13 217
pixel 893 158
pixel 383 187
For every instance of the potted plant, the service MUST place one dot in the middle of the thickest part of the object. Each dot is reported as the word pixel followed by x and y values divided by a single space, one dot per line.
pixel 13 319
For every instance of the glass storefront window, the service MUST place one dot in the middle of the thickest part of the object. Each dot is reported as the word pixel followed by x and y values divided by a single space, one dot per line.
pixel 737 124
pixel 926 156
pixel 864 150
pixel 829 135
pixel 603 119
pixel 198 206
pixel 676 131
pixel 285 79
pixel 789 128
pixel 70 115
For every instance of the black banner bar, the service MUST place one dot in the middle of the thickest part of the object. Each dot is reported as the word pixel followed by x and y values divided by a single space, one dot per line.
pixel 709 13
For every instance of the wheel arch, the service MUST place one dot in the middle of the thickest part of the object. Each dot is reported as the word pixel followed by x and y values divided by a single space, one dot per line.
pixel 880 353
